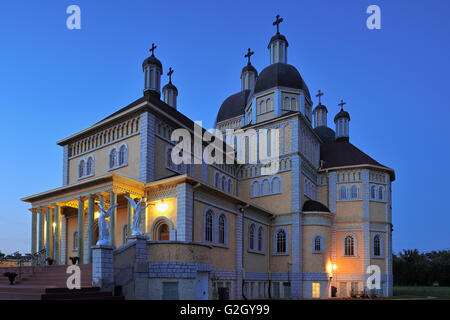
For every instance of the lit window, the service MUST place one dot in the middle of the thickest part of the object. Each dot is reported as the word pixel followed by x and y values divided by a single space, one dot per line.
pixel 316 289
pixel 75 241
pixel 349 243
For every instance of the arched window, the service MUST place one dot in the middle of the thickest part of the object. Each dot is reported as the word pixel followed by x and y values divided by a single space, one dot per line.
pixel 281 241
pixel 222 229
pixel 75 240
pixel 317 244
pixel 123 155
pixel 251 237
pixel 342 192
pixel 373 192
pixel 260 238
pixel 112 158
pixel 276 185
pixel 349 244
pixel 217 180
pixel 209 226
pixel 269 104
pixel 380 193
pixel 255 189
pixel 354 192
pixel 287 103
pixel 377 245
pixel 230 186
pixel 262 107
pixel 223 183
pixel 293 104
pixel 124 234
pixel 81 169
pixel 265 187
pixel 89 166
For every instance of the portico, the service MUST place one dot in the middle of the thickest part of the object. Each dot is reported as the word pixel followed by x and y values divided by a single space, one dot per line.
pixel 64 220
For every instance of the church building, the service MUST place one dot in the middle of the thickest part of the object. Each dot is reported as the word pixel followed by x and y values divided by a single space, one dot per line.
pixel 224 231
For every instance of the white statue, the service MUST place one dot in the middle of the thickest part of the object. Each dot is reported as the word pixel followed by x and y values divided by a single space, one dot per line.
pixel 137 216
pixel 103 228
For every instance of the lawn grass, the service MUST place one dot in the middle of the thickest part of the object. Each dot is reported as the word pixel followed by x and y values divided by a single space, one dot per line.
pixel 422 291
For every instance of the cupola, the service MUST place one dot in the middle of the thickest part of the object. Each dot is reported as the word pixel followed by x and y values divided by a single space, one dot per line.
pixel 342 120
pixel 153 69
pixel 278 44
pixel 170 92
pixel 248 74
pixel 320 113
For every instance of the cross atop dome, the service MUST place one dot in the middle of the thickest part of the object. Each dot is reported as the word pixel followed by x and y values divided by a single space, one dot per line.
pixel 277 23
pixel 170 74
pixel 341 104
pixel 152 50
pixel 248 55
pixel 319 94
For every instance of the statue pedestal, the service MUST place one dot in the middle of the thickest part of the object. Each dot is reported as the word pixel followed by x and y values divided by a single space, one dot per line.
pixel 103 267
pixel 141 267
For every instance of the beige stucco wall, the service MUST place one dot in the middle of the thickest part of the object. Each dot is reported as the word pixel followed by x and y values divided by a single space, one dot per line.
pixel 316 262
pixel 222 258
pixel 377 211
pixel 277 203
pixel 101 161
pixel 349 210
pixel 255 262
pixel 71 226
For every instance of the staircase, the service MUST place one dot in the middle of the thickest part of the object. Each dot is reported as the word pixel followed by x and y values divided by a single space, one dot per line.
pixel 34 283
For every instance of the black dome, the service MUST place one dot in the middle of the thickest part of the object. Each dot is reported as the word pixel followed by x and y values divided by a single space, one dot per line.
pixel 278 36
pixel 342 114
pixel 320 106
pixel 153 61
pixel 282 75
pixel 325 133
pixel 233 106
pixel 170 86
pixel 311 205
pixel 249 67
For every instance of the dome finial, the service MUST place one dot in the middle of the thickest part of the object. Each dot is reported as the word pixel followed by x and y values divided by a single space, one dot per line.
pixel 152 50
pixel 341 104
pixel 277 23
pixel 319 94
pixel 248 55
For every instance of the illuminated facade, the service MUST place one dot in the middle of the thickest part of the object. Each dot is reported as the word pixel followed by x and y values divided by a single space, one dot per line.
pixel 225 231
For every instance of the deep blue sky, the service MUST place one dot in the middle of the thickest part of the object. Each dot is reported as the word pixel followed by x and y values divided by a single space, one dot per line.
pixel 55 82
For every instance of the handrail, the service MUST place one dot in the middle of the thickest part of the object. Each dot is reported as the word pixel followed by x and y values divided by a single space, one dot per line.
pixel 37 255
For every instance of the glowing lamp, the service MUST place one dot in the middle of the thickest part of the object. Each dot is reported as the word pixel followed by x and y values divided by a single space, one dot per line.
pixel 54 225
pixel 162 206
pixel 334 267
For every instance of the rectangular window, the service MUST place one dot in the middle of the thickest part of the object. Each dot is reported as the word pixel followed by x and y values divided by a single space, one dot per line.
pixel 354 288
pixel 316 290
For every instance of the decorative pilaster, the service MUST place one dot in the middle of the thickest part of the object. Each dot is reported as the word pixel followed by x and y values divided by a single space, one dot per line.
pixel 366 221
pixel 90 227
pixel 66 165
pixel 184 212
pixel 80 228
pixel 239 262
pixel 297 250
pixel 33 233
pixel 41 233
pixel 112 219
pixel 147 147
pixel 56 235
